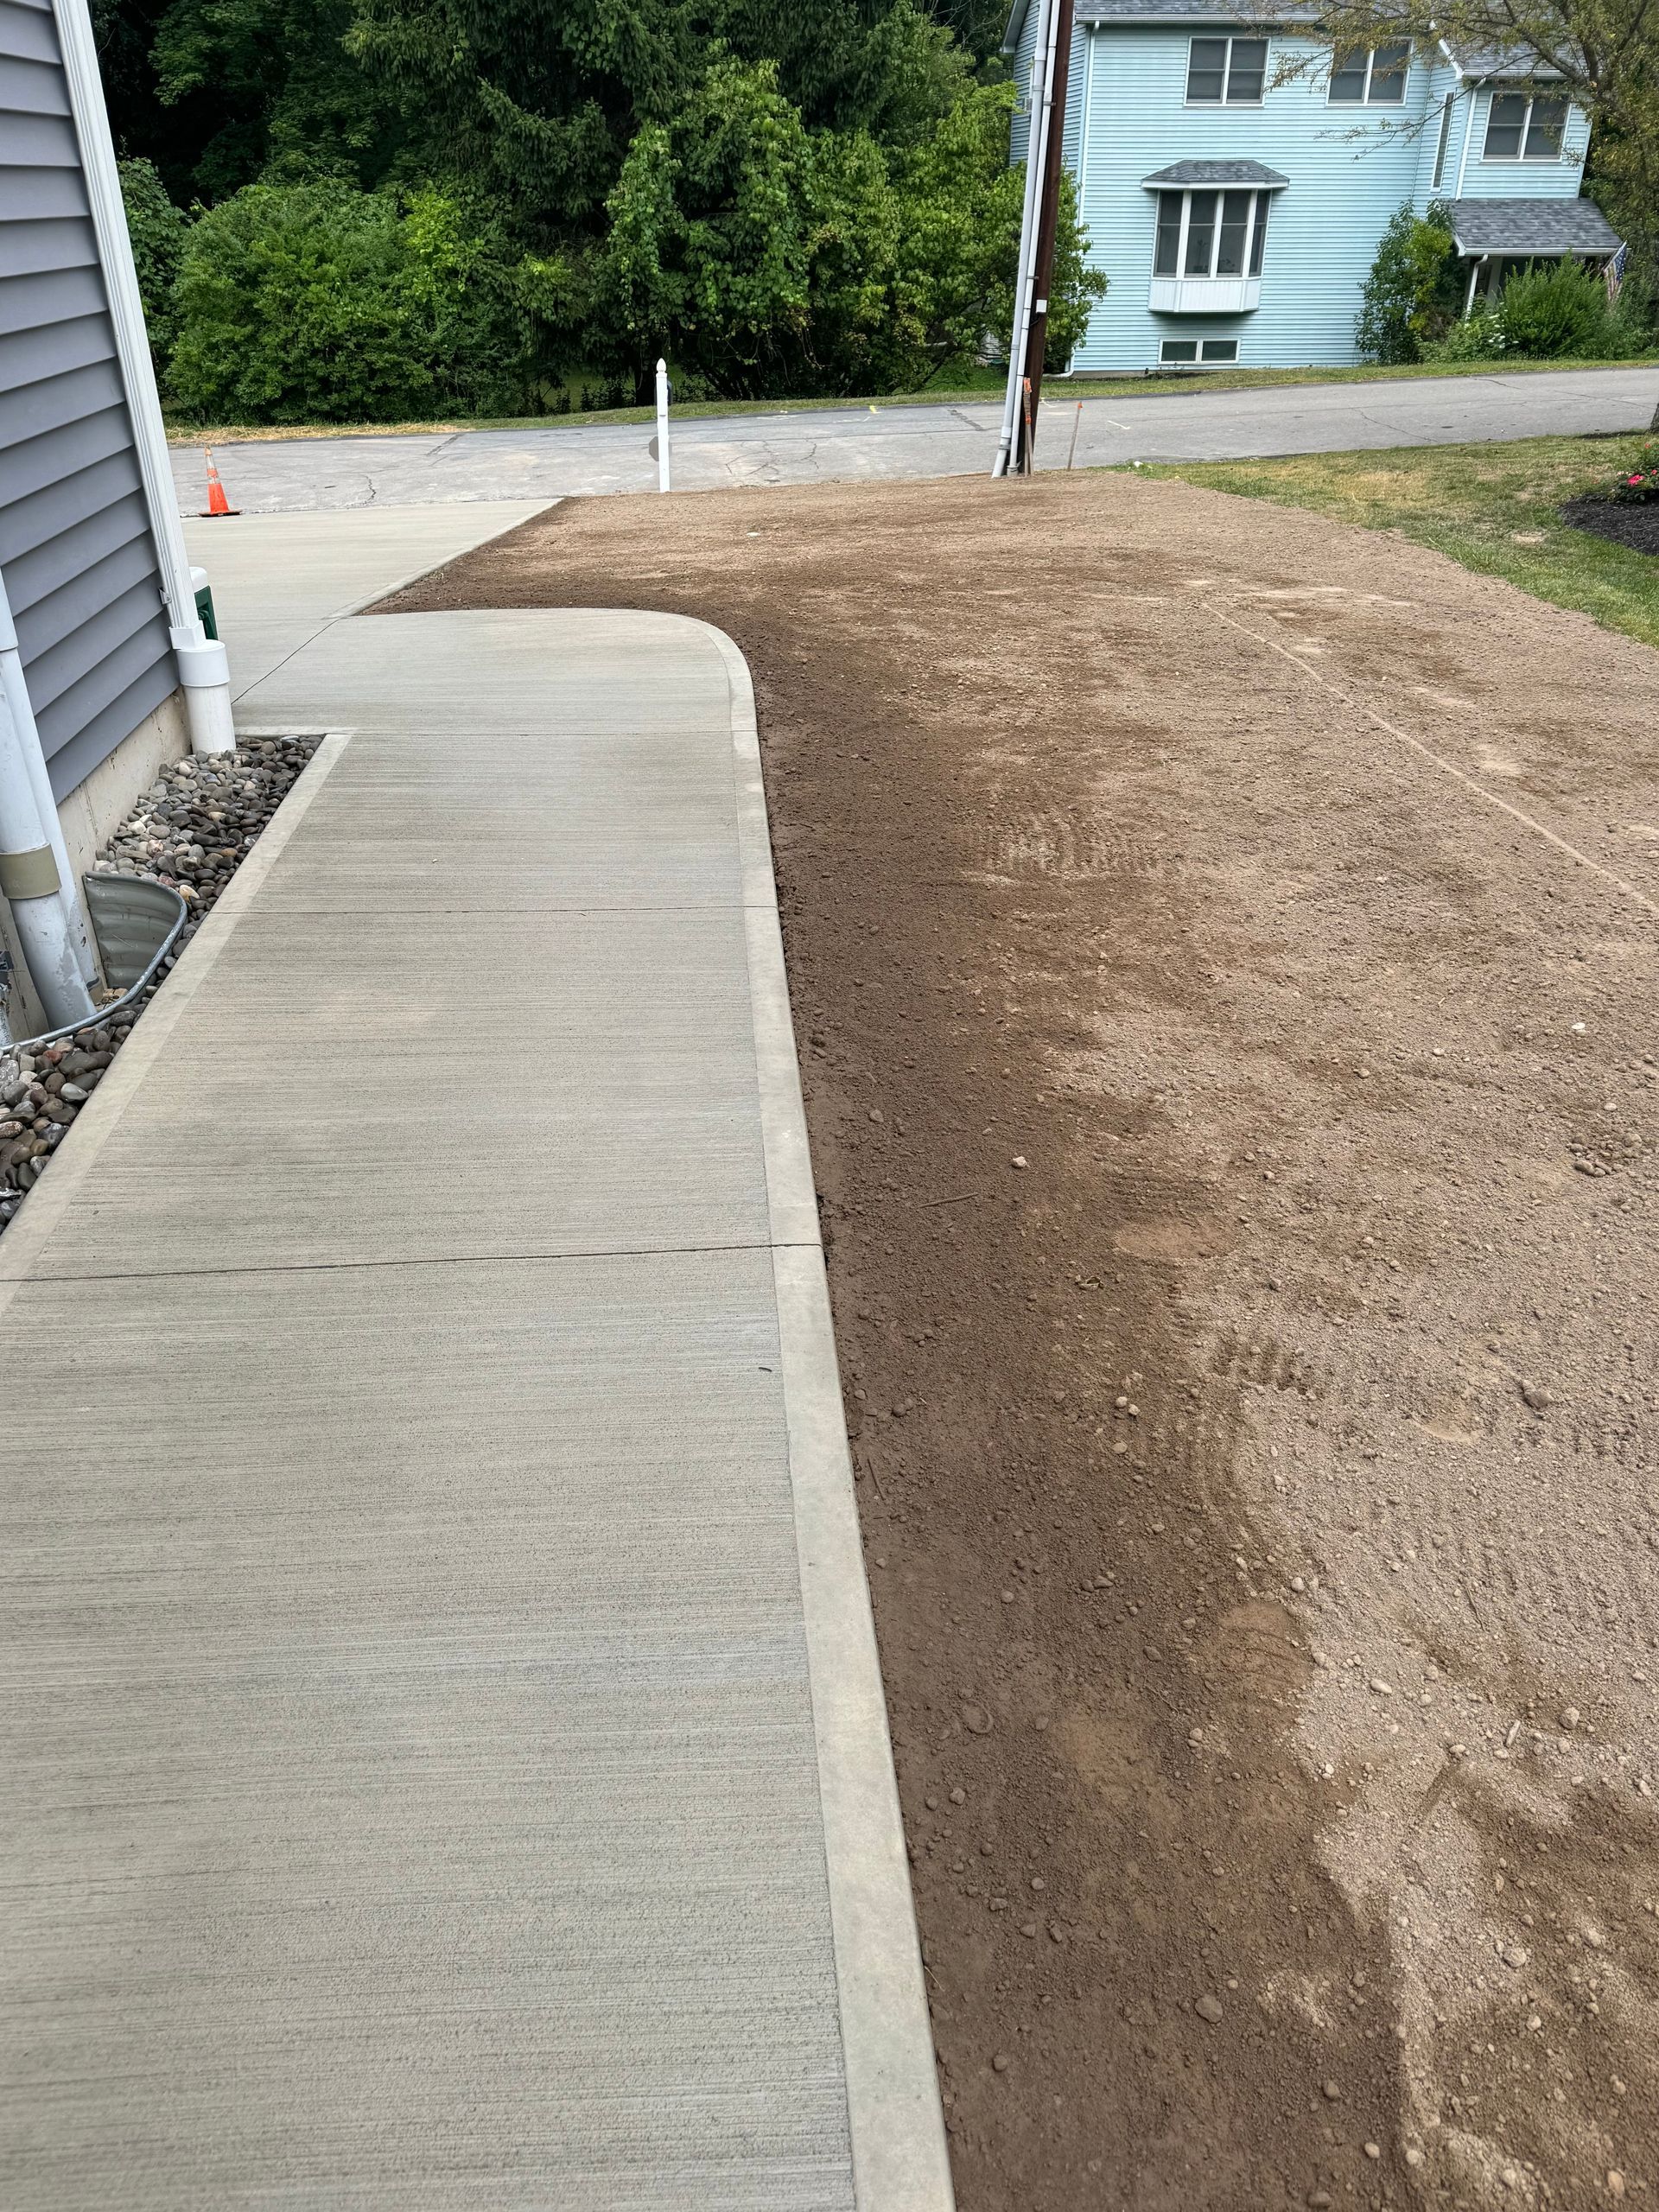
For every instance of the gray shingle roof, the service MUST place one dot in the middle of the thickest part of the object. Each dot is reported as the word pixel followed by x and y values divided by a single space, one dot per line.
pixel 1513 64
pixel 1217 173
pixel 1240 15
pixel 1247 15
pixel 1531 227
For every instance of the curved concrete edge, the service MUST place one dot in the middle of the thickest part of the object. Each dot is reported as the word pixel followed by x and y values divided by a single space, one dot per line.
pixel 900 2162
pixel 23 1242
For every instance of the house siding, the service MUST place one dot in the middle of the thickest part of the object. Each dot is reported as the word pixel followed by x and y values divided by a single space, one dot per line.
pixel 1349 168
pixel 75 545
pixel 1484 180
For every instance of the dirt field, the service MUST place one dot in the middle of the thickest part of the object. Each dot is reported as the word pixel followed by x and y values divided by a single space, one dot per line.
pixel 1223 949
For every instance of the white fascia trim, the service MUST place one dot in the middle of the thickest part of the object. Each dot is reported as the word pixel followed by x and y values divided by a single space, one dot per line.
pixel 210 716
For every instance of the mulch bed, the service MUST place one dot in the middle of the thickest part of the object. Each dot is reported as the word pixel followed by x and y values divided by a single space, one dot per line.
pixel 1636 527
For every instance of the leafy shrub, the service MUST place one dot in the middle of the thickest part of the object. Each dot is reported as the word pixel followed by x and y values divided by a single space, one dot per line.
pixel 1480 337
pixel 158 231
pixel 764 259
pixel 1410 297
pixel 1557 308
pixel 1639 486
pixel 320 302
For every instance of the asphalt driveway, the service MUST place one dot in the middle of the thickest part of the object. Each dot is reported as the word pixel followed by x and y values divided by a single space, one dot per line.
pixel 285 475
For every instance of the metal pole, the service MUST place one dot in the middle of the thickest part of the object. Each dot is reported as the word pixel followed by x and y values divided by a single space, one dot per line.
pixel 14 688
pixel 1036 139
pixel 1054 162
pixel 29 881
pixel 661 426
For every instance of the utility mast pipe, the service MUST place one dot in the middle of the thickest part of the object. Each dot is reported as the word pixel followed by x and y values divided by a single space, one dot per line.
pixel 1048 223
pixel 1041 88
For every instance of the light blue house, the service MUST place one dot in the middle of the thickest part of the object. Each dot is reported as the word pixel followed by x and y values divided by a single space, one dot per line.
pixel 1235 181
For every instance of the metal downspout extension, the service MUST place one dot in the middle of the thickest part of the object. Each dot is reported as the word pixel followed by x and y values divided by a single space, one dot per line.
pixel 204 668
pixel 30 881
pixel 14 687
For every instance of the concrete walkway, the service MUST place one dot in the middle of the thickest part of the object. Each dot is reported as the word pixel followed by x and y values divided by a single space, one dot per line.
pixel 445 1763
pixel 279 582
pixel 711 452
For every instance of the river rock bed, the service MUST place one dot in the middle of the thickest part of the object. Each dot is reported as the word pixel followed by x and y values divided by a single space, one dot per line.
pixel 193 828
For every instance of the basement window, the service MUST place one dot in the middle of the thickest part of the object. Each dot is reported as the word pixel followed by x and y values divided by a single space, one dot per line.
pixel 1374 78
pixel 1175 350
pixel 1229 72
pixel 1525 127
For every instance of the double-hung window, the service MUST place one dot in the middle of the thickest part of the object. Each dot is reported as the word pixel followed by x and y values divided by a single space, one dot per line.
pixel 1226 72
pixel 1375 78
pixel 1211 233
pixel 1525 127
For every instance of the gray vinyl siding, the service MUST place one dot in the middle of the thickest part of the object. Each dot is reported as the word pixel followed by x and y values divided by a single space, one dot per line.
pixel 74 535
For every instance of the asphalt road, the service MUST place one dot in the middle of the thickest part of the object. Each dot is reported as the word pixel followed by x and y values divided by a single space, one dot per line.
pixel 277 476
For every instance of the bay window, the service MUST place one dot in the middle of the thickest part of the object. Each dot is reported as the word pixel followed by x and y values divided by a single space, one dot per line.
pixel 1210 234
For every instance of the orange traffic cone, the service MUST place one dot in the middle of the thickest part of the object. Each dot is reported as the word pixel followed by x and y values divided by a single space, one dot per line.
pixel 217 502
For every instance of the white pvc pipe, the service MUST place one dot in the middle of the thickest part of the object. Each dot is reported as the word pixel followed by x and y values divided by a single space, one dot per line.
pixel 26 859
pixel 661 426
pixel 204 668
pixel 1026 274
pixel 14 687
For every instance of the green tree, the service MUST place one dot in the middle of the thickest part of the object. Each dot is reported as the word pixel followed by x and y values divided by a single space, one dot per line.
pixel 158 231
pixel 1410 295
pixel 767 259
pixel 960 238
pixel 541 106
pixel 322 303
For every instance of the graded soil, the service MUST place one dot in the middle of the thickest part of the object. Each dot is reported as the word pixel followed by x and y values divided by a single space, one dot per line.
pixel 1223 953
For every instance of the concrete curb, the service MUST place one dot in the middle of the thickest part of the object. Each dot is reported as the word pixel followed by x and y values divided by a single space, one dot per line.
pixel 900 2162
pixel 22 1245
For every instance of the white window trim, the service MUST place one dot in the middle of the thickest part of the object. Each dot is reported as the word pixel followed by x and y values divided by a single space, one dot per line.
pixel 1209 107
pixel 1199 361
pixel 1443 145
pixel 1365 100
pixel 1537 161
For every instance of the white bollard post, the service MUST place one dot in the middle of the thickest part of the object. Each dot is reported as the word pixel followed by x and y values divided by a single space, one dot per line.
pixel 661 426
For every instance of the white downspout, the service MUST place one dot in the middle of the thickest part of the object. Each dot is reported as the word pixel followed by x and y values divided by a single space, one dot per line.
pixel 1468 133
pixel 30 882
pixel 14 689
pixel 204 668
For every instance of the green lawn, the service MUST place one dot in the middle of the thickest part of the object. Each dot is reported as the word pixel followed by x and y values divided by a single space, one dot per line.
pixel 975 384
pixel 1492 507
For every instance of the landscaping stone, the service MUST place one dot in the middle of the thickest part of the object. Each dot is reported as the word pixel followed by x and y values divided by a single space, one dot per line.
pixel 193 828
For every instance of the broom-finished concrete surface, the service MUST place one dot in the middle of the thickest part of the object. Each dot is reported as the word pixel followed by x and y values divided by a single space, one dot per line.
pixel 279 581
pixel 445 1761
